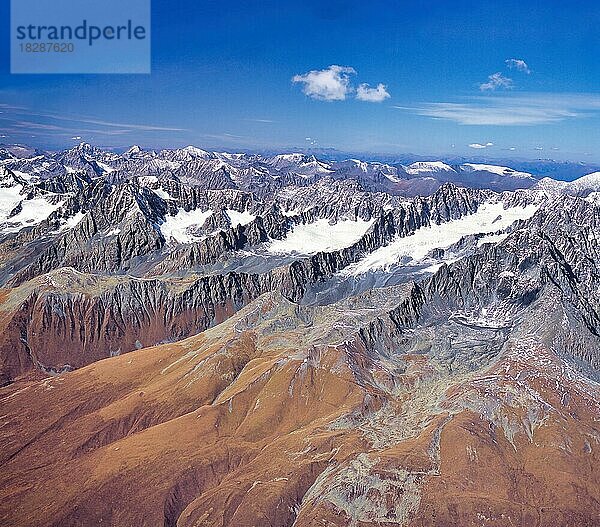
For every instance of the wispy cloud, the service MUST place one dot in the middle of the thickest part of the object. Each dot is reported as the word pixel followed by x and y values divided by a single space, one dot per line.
pixel 58 122
pixel 499 81
pixel 330 84
pixel 522 110
pixel 225 136
pixel 112 124
pixel 517 64
pixel 5 106
pixel 365 93
pixel 267 121
pixel 496 80
pixel 480 145
pixel 31 125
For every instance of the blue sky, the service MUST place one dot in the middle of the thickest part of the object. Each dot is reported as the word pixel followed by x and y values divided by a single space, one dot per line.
pixel 258 75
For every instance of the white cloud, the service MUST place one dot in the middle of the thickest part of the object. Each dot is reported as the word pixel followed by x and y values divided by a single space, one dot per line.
pixel 87 120
pixel 496 80
pixel 330 84
pixel 495 114
pixel 522 110
pixel 366 93
pixel 517 64
pixel 268 121
pixel 480 145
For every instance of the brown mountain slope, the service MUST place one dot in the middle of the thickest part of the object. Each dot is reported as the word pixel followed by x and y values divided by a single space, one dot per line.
pixel 66 319
pixel 280 416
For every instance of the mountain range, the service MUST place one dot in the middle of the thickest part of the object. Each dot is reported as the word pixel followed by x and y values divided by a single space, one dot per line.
pixel 194 338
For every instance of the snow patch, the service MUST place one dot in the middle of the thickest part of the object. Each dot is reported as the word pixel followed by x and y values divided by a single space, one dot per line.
pixel 105 168
pixel 239 218
pixel 32 212
pixel 428 167
pixel 71 222
pixel 594 197
pixel 161 193
pixel 489 218
pixel 147 180
pixel 320 236
pixel 181 226
pixel 494 169
pixel 9 199
pixel 23 175
pixel 290 213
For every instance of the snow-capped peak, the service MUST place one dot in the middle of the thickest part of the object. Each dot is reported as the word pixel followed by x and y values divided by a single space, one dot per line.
pixel 295 157
pixel 194 151
pixel 587 182
pixel 363 166
pixel 84 148
pixel 428 167
pixel 135 149
pixel 301 163
pixel 495 169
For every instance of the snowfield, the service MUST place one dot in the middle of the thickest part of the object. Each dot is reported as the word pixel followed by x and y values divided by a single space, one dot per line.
pixel 587 182
pixel 490 218
pixel 181 226
pixel 161 193
pixel 71 222
pixel 320 236
pixel 494 169
pixel 239 218
pixel 427 167
pixel 32 212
